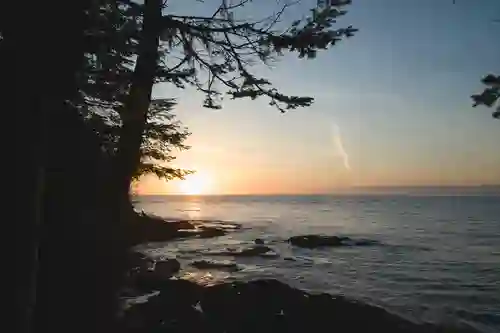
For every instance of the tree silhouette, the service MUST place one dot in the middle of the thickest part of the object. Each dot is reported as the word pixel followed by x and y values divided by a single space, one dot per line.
pixel 215 54
pixel 105 82
pixel 490 95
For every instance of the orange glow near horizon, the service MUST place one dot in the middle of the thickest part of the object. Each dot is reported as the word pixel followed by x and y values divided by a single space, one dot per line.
pixel 196 184
pixel 243 180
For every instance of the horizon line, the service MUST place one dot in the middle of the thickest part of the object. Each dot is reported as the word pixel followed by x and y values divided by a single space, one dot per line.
pixel 351 190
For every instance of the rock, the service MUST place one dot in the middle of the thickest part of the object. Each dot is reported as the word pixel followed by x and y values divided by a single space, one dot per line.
pixel 150 280
pixel 208 232
pixel 208 264
pixel 139 261
pixel 165 269
pixel 149 228
pixel 262 306
pixel 253 251
pixel 171 310
pixel 313 241
pixel 361 242
pixel 183 224
pixel 259 241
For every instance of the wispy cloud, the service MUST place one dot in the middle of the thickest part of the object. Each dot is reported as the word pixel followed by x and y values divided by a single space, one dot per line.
pixel 339 147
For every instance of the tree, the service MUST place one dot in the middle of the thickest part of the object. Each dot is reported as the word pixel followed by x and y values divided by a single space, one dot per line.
pixel 215 54
pixel 490 95
pixel 161 135
pixel 51 61
pixel 105 82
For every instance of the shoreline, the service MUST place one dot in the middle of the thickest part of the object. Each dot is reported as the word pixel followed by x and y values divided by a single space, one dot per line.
pixel 182 305
pixel 263 305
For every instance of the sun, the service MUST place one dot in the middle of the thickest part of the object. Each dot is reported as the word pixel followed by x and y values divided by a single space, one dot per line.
pixel 195 184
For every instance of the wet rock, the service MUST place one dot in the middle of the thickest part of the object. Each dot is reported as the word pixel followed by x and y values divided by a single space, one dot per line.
pixel 313 241
pixel 208 232
pixel 209 264
pixel 361 242
pixel 259 241
pixel 150 280
pixel 139 261
pixel 172 310
pixel 167 268
pixel 253 251
pixel 154 229
pixel 149 228
pixel 260 306
pixel 184 225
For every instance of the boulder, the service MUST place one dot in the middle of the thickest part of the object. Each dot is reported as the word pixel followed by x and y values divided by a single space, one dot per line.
pixel 314 241
pixel 259 241
pixel 167 268
pixel 208 232
pixel 261 306
pixel 183 224
pixel 253 251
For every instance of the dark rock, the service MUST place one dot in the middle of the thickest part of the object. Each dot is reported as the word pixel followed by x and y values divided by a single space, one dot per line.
pixel 208 264
pixel 361 242
pixel 153 229
pixel 150 280
pixel 165 269
pixel 184 225
pixel 172 310
pixel 313 241
pixel 253 251
pixel 208 232
pixel 149 228
pixel 139 261
pixel 260 306
pixel 259 241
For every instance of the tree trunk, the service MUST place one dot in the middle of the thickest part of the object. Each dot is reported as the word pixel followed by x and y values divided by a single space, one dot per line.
pixel 136 106
pixel 33 108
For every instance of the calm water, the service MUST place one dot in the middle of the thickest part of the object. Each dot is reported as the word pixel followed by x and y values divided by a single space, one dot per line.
pixel 438 261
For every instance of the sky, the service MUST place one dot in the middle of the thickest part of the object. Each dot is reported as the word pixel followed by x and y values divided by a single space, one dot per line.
pixel 392 107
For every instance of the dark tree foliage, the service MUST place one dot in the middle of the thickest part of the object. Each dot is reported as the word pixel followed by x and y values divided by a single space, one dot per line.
pixel 490 95
pixel 215 54
pixel 105 83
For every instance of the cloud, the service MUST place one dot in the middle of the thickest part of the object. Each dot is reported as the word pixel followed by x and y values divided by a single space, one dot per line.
pixel 339 147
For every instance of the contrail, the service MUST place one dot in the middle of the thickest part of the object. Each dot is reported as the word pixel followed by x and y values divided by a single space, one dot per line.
pixel 337 140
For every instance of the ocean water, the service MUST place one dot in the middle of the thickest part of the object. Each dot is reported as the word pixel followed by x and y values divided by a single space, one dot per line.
pixel 437 260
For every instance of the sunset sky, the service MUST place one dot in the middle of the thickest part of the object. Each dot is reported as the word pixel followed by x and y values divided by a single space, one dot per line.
pixel 391 107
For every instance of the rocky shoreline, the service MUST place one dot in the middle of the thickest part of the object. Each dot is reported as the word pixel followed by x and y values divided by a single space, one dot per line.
pixel 267 305
pixel 257 306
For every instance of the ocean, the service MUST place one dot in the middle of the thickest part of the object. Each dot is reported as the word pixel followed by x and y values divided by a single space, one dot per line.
pixel 437 257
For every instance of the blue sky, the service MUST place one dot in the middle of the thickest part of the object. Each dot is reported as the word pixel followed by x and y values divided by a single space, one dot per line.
pixel 398 91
